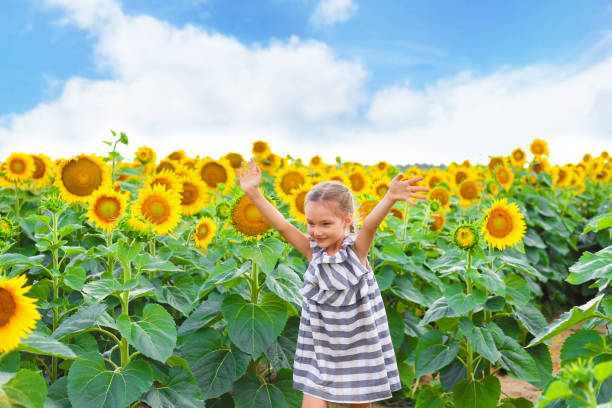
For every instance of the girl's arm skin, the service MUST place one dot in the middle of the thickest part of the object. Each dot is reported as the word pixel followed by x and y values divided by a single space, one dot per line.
pixel 398 190
pixel 249 181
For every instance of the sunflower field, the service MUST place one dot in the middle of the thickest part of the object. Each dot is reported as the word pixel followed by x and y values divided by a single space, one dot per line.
pixel 157 283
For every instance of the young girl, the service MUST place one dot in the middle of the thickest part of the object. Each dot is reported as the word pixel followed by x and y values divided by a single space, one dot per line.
pixel 344 352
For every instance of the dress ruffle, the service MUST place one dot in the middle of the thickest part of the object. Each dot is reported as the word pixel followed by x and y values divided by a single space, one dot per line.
pixel 341 285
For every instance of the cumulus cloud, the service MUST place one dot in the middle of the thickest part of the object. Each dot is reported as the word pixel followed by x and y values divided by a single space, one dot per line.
pixel 187 87
pixel 333 11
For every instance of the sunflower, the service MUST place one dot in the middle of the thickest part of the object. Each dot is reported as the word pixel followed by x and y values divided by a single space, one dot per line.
pixel 504 225
pixel 504 176
pixel 19 167
pixel 433 178
pixel 337 175
pixel 365 208
pixel 359 180
pixel 235 160
pixel 491 188
pixel 189 164
pixel 80 176
pixel 136 227
pixel 166 164
pixel 383 167
pixel 316 163
pixel 397 213
pixel 460 175
pixel 441 194
pixel 270 163
pixel 495 161
pixel 518 157
pixel 18 314
pixel 261 149
pixel 223 210
pixel 44 169
pixel 540 164
pixel 465 236
pixel 193 195
pixel 204 232
pixel 539 147
pixel 168 179
pixel 288 179
pixel 587 158
pixel 106 207
pixel 177 155
pixel 380 187
pixel 160 207
pixel 561 176
pixel 146 155
pixel 213 172
pixel 468 192
pixel 297 202
pixel 247 219
pixel 438 220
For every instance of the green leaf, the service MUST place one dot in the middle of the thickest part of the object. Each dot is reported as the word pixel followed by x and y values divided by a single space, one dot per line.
pixel 461 302
pixel 576 315
pixel 176 298
pixel 520 262
pixel 513 357
pixel 598 223
pixel 384 277
pixel 393 253
pixel 250 393
pixel 39 343
pixel 58 393
pixel 412 327
pixel 177 388
pixel 27 389
pixel 126 253
pixel 532 318
pixel 154 335
pixel 603 371
pixel 223 273
pixel 495 304
pixel 517 291
pixel 493 387
pixel 396 327
pixel 75 277
pixel 582 344
pixel 286 283
pixel 541 356
pixel 67 229
pixel 282 351
pixel 81 320
pixel 202 315
pixel 480 338
pixel 264 253
pixel 597 266
pixel 532 239
pixel 556 390
pixel 432 354
pixel 91 384
pixel 8 260
pixel 214 364
pixel 471 394
pixel 148 263
pixel 254 327
pixel 100 289
pixel 429 397
pixel 437 311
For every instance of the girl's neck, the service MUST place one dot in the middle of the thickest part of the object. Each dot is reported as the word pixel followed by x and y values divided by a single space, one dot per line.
pixel 335 248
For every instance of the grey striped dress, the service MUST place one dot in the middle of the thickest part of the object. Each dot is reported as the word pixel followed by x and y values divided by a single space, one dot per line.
pixel 344 352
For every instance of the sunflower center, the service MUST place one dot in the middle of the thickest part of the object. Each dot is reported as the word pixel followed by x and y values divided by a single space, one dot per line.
pixel 465 237
pixel 468 191
pixel 156 210
pixel 176 156
pixel 434 181
pixel 17 166
pixel 189 194
pixel 518 155
pixel 357 182
pixel 235 160
pixel 499 224
pixel 495 161
pixel 81 177
pixel 503 176
pixel 108 208
pixel 144 156
pixel 161 181
pixel 300 202
pixel 562 175
pixel 460 176
pixel 165 165
pixel 538 167
pixel 291 180
pixel 537 149
pixel 213 173
pixel 259 147
pixel 39 168
pixel 202 231
pixel 7 306
pixel 440 195
pixel 381 165
pixel 438 221
pixel 252 214
pixel 316 160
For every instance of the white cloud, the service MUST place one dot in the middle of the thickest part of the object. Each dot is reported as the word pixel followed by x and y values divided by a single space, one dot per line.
pixel 185 87
pixel 333 11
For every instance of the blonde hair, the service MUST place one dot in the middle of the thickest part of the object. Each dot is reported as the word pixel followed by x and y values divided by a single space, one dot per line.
pixel 334 191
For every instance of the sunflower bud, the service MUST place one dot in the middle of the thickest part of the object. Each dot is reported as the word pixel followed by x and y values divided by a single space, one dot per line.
pixel 53 203
pixel 135 227
pixel 434 206
pixel 8 229
pixel 466 236
pixel 224 210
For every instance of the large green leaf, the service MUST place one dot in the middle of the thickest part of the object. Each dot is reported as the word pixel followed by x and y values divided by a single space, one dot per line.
pixel 557 389
pixel 437 311
pixel 91 384
pixel 513 258
pixel 514 358
pixel 480 338
pixel 223 273
pixel 597 266
pixel 154 335
pixel 177 388
pixel 250 393
pixel 81 320
pixel 432 354
pixel 254 327
pixel 100 289
pixel 541 356
pixel 577 315
pixel 430 397
pixel 396 327
pixel 532 318
pixel 393 253
pixel 202 315
pixel 477 394
pixel 214 364
pixel 27 389
pixel 265 253
pixel 404 288
pixel 40 343
pixel 286 283
pixel 175 297
pixel 461 302
pixel 282 351
pixel 517 290
pixel 582 344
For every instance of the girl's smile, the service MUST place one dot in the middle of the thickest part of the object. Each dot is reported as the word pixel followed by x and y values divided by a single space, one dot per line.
pixel 325 224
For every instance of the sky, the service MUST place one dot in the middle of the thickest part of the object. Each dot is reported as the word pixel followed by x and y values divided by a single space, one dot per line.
pixel 403 81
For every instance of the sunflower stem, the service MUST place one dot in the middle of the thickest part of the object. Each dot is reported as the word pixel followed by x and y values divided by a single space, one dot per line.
pixel 405 225
pixel 17 207
pixel 152 252
pixel 254 284
pixel 125 300
pixel 55 290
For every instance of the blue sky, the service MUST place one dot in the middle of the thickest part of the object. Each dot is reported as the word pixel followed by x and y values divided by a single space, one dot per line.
pixel 401 57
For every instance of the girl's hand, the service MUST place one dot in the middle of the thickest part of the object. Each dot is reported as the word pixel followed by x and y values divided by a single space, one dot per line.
pixel 250 178
pixel 404 189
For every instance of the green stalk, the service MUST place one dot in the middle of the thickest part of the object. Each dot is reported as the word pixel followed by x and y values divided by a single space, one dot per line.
pixel 55 292
pixel 254 284
pixel 110 265
pixel 469 352
pixel 125 300
pixel 17 207
pixel 152 252
pixel 405 224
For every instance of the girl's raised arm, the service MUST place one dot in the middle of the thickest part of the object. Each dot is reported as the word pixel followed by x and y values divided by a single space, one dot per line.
pixel 398 190
pixel 249 181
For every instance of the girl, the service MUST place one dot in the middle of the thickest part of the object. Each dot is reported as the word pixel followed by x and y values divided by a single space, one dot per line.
pixel 344 352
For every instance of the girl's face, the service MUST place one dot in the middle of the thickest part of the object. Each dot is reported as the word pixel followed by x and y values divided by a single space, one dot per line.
pixel 325 224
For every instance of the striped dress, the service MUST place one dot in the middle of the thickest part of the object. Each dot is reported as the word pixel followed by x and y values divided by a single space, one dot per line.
pixel 344 352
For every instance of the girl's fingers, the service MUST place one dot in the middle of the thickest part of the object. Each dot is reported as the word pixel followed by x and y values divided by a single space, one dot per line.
pixel 418 196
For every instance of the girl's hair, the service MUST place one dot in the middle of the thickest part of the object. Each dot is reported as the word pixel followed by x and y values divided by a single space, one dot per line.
pixel 333 191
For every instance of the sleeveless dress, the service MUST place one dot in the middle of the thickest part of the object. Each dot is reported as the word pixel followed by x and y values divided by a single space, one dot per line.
pixel 344 352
